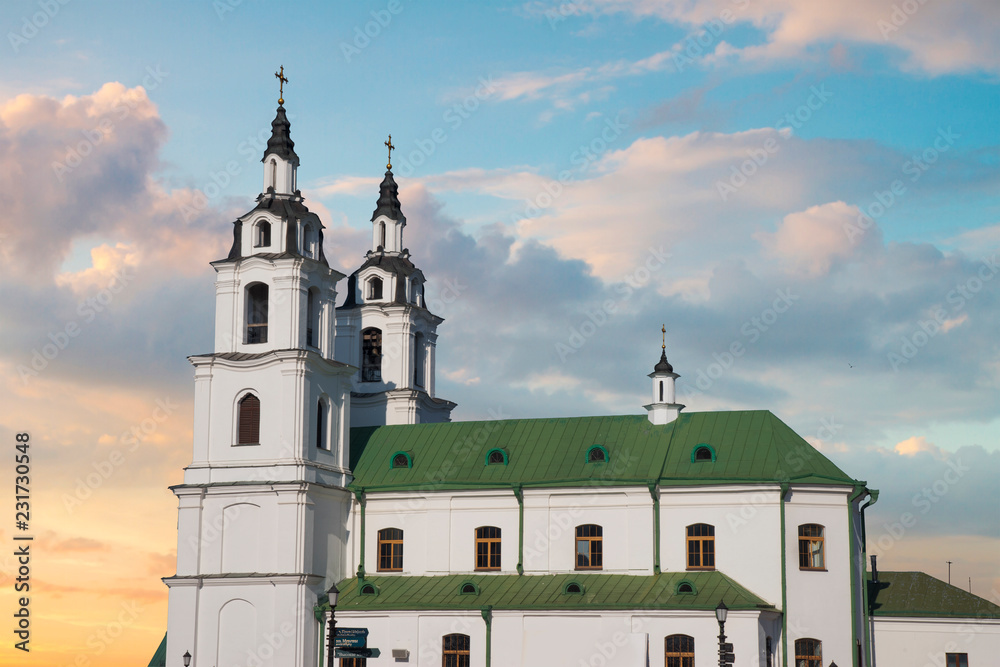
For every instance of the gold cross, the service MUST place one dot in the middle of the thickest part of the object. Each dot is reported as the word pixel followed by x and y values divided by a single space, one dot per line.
pixel 281 84
pixel 389 145
pixel 664 330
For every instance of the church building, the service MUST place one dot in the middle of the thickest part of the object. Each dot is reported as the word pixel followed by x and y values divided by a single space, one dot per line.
pixel 328 476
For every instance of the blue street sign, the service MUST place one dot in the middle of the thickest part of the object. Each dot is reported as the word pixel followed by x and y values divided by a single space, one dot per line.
pixel 350 638
pixel 356 653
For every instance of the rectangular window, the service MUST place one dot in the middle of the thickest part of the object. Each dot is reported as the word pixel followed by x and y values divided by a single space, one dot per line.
pixel 956 660
pixel 390 550
pixel 811 547
pixel 701 547
pixel 488 548
pixel 589 547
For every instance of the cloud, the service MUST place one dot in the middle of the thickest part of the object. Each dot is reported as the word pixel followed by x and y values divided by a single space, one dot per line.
pixel 915 445
pixel 935 38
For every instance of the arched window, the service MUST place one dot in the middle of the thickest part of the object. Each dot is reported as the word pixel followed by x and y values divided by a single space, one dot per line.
pixel 274 174
pixel 371 355
pixel 661 391
pixel 309 242
pixel 320 424
pixel 418 294
pixel 768 653
pixel 589 547
pixel 811 547
pixel 375 288
pixel 487 548
pixel 702 452
pixel 312 318
pixel 468 588
pixel 679 651
pixel 496 457
pixel 573 588
pixel 808 653
pixel 701 547
pixel 418 360
pixel 455 651
pixel 369 589
pixel 685 588
pixel 263 236
pixel 401 460
pixel 256 313
pixel 390 550
pixel 248 421
pixel 597 454
pixel 381 234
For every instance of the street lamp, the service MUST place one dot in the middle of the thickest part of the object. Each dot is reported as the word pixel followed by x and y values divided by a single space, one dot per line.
pixel 187 658
pixel 726 656
pixel 333 594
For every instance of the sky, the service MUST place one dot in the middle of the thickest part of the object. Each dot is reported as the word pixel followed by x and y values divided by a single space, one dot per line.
pixel 805 194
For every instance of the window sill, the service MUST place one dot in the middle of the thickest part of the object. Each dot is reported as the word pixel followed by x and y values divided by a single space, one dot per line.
pixel 813 569
pixel 246 444
pixel 590 569
pixel 700 569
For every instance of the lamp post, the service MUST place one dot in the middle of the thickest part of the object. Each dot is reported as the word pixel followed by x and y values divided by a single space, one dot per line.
pixel 726 656
pixel 333 594
pixel 187 658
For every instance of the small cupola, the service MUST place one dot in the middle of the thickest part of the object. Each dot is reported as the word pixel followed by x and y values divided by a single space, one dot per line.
pixel 388 219
pixel 664 408
pixel 280 161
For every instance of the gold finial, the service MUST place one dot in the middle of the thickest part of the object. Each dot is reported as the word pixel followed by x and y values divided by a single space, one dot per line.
pixel 664 330
pixel 389 145
pixel 282 80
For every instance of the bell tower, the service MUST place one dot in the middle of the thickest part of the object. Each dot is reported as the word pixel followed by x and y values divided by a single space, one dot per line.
pixel 262 511
pixel 385 329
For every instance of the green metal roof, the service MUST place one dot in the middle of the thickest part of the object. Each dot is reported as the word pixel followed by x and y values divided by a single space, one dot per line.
pixel 919 594
pixel 511 591
pixel 751 446
pixel 159 658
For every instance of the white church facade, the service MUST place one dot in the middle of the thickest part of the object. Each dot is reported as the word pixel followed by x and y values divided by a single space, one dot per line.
pixel 322 457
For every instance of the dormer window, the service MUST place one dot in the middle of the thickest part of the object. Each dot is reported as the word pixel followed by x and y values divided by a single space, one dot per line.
pixel 263 234
pixel 375 288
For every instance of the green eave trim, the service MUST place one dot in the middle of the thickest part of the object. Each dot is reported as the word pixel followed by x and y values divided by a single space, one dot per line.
pixel 546 592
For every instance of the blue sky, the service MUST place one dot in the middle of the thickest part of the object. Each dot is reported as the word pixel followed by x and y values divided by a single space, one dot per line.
pixel 554 159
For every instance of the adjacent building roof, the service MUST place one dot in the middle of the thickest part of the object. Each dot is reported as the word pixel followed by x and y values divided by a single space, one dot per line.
pixel 921 595
pixel 749 446
pixel 511 591
pixel 159 658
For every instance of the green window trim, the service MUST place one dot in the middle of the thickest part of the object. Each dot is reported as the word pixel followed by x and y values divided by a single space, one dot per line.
pixel 602 449
pixel 685 582
pixel 490 453
pixel 579 589
pixel 466 584
pixel 368 588
pixel 392 460
pixel 702 445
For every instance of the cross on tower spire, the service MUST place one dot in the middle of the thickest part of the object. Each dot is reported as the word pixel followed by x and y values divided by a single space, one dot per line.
pixel 664 330
pixel 282 80
pixel 388 144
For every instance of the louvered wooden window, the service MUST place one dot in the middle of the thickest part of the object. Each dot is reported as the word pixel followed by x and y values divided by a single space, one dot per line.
pixel 249 420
